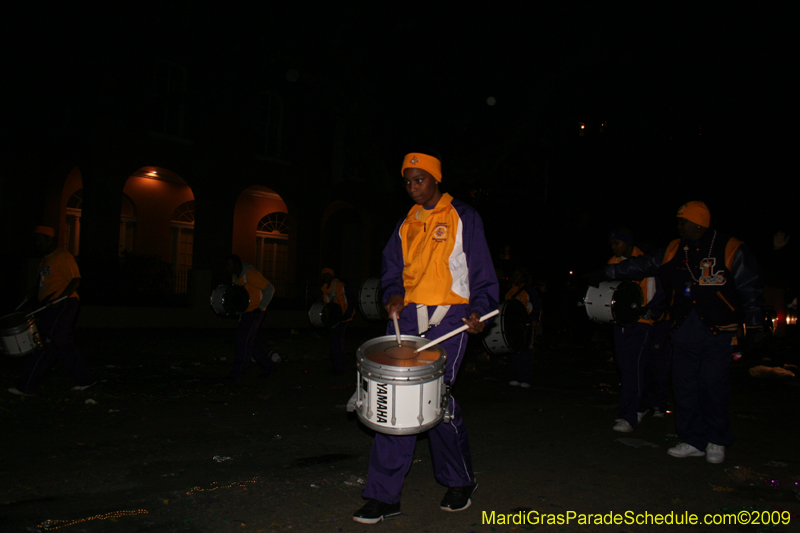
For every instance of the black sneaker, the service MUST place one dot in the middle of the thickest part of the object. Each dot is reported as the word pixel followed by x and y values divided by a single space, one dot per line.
pixel 374 511
pixel 458 498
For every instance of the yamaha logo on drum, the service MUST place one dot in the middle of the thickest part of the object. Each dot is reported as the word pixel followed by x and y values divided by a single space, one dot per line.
pixel 383 410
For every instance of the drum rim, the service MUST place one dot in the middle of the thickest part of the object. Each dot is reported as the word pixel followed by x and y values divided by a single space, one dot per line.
pixel 219 306
pixel 407 373
pixel 611 285
pixel 389 430
pixel 374 308
pixel 492 335
pixel 27 323
pixel 316 311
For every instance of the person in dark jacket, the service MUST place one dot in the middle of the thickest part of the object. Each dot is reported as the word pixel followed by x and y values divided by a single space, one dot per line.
pixel 715 286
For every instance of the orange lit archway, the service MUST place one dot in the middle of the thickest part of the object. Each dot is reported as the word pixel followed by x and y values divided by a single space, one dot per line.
pixel 261 236
pixel 162 220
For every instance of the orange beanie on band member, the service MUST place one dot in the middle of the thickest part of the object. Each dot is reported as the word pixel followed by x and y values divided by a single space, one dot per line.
pixel 426 162
pixel 696 212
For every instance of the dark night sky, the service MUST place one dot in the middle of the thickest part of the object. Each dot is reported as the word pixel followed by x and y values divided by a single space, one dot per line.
pixel 695 99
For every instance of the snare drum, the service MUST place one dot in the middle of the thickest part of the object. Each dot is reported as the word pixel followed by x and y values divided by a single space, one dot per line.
pixel 227 300
pixel 510 331
pixel 325 315
pixel 19 335
pixel 369 300
pixel 614 302
pixel 400 400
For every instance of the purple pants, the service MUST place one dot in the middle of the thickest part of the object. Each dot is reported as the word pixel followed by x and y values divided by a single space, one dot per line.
pixel 656 390
pixel 55 327
pixel 700 366
pixel 522 366
pixel 632 346
pixel 337 337
pixel 248 346
pixel 392 454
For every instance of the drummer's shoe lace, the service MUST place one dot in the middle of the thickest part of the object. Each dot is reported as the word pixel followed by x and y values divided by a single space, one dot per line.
pixel 458 498
pixel 374 511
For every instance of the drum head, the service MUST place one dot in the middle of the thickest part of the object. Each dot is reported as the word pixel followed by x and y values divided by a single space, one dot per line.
pixel 510 331
pixel 515 325
pixel 236 299
pixel 404 355
pixel 627 303
pixel 13 321
pixel 331 314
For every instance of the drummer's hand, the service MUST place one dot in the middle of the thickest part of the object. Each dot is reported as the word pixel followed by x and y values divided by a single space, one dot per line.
pixel 474 323
pixel 395 304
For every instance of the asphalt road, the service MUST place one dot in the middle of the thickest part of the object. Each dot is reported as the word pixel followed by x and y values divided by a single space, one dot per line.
pixel 164 444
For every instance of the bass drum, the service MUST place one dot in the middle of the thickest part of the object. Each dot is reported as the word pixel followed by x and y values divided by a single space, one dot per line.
pixel 228 300
pixel 510 332
pixel 370 299
pixel 324 315
pixel 614 302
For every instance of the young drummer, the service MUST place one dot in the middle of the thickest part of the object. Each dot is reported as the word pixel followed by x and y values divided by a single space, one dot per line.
pixel 437 275
pixel 58 277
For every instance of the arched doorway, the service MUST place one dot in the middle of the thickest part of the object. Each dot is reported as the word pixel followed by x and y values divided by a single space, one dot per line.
pixel 261 236
pixel 160 220
pixel 182 241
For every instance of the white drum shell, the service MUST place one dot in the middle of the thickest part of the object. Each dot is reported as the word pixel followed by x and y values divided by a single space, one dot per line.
pixel 499 338
pixel 223 307
pixel 598 301
pixel 602 303
pixel 369 300
pixel 399 400
pixel 22 339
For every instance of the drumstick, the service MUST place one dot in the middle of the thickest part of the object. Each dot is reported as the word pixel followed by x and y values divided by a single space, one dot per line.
pixel 45 307
pixel 20 305
pixel 396 328
pixel 456 331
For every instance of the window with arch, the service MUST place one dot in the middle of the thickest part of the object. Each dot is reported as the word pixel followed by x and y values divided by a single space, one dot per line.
pixel 72 235
pixel 272 250
pixel 127 224
pixel 182 242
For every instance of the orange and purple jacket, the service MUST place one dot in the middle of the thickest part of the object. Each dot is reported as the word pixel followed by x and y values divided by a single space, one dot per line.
pixel 56 271
pixel 441 258
pixel 715 276
pixel 648 285
pixel 255 284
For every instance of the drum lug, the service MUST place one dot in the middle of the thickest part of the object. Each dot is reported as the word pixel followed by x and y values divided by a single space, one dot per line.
pixel 446 404
pixel 353 403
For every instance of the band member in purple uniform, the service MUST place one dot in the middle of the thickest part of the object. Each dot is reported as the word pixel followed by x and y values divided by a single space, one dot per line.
pixel 437 275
